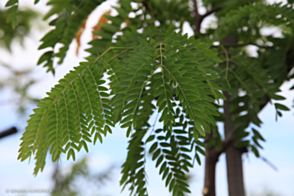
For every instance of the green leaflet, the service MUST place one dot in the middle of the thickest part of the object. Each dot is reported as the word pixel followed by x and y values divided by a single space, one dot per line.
pixel 281 107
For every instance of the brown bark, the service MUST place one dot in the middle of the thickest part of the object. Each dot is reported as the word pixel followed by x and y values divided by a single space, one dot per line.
pixel 210 167
pixel 8 132
pixel 211 159
pixel 197 18
pixel 233 155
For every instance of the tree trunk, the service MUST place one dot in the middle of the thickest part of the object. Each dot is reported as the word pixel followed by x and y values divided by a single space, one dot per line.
pixel 233 155
pixel 211 159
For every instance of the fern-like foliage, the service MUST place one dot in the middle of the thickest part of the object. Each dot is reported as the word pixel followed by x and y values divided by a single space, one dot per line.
pixel 152 70
pixel 173 69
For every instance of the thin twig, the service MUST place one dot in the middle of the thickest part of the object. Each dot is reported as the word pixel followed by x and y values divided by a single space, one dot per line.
pixel 241 45
pixel 269 163
pixel 117 55
pixel 112 48
pixel 227 65
pixel 153 126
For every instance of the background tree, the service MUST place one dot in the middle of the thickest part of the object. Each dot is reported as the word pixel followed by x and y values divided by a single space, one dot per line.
pixel 148 62
pixel 68 184
pixel 18 80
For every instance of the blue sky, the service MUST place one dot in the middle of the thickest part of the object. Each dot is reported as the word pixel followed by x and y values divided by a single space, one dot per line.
pixel 278 148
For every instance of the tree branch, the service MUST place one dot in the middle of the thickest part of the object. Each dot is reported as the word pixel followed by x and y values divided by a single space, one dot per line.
pixel 196 8
pixel 146 5
pixel 215 9
pixel 225 144
pixel 266 98
pixel 198 18
pixel 7 132
pixel 241 45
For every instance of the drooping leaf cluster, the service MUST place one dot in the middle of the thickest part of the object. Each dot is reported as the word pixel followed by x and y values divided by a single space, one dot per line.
pixel 80 107
pixel 17 80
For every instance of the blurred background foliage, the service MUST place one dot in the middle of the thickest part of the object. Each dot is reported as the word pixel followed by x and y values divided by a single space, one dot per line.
pixel 18 82
pixel 69 184
pixel 26 19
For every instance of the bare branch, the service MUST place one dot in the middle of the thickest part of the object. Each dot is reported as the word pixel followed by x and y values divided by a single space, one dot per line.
pixel 215 9
pixel 198 18
pixel 7 132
